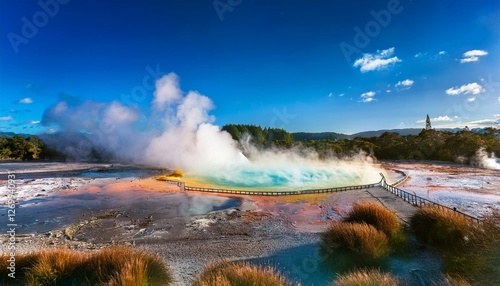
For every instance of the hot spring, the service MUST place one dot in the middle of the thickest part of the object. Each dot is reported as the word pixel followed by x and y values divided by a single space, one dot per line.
pixel 288 175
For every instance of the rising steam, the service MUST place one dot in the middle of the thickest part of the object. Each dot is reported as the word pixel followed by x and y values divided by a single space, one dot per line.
pixel 188 139
pixel 487 161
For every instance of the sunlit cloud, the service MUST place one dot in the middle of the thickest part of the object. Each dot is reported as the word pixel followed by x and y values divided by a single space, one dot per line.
pixel 405 83
pixel 378 61
pixel 6 118
pixel 471 88
pixel 368 96
pixel 473 56
pixel 445 118
pixel 26 100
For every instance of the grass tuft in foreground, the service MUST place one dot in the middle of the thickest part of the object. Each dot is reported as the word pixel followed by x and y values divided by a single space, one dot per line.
pixel 228 273
pixel 441 228
pixel 115 266
pixel 376 215
pixel 360 238
pixel 371 277
pixel 471 250
pixel 382 219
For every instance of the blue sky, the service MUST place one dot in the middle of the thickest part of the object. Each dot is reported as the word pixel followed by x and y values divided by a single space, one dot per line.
pixel 343 66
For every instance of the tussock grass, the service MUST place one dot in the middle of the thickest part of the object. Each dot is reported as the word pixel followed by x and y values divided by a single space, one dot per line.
pixel 115 266
pixel 226 273
pixel 471 250
pixel 441 228
pixel 376 215
pixel 360 238
pixel 452 281
pixel 371 277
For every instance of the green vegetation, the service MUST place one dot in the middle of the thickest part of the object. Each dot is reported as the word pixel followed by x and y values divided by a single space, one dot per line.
pixel 265 137
pixel 20 148
pixel 115 266
pixel 228 273
pixel 460 147
pixel 471 250
pixel 365 278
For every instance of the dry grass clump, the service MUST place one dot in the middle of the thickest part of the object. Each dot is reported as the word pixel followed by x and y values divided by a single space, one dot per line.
pixel 441 228
pixel 115 266
pixel 470 250
pixel 228 273
pixel 365 278
pixel 376 215
pixel 452 281
pixel 360 238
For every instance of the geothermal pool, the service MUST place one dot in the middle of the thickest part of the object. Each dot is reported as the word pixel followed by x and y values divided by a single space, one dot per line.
pixel 288 178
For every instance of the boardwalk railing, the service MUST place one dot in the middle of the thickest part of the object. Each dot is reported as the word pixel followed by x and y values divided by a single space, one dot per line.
pixel 408 197
pixel 417 200
pixel 272 193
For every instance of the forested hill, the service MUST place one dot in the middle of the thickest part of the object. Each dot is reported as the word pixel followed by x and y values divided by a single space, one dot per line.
pixel 305 136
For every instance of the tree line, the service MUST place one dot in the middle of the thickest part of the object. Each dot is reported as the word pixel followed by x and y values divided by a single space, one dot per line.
pixel 460 147
pixel 21 148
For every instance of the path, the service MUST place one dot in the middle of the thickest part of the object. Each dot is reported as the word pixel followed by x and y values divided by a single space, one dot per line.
pixel 403 209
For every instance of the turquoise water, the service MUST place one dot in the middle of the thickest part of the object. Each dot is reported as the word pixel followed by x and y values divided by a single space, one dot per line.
pixel 287 179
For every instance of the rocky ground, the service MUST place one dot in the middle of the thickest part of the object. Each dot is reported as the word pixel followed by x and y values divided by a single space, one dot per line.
pixel 90 206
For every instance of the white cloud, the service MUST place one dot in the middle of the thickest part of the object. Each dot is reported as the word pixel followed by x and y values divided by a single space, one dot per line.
pixel 368 96
pixel 342 94
pixel 330 94
pixel 377 61
pixel 442 53
pixel 471 88
pixel 6 118
pixel 471 99
pixel 437 119
pixel 34 122
pixel 483 122
pixel 473 56
pixel 406 83
pixel 25 100
pixel 419 55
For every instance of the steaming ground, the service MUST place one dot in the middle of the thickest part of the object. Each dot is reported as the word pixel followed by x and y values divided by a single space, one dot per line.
pixel 177 132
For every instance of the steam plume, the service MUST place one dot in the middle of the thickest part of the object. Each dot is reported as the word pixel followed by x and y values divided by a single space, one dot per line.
pixel 188 139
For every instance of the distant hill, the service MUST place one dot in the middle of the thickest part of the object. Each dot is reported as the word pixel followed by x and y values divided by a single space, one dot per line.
pixel 304 136
pixel 12 134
